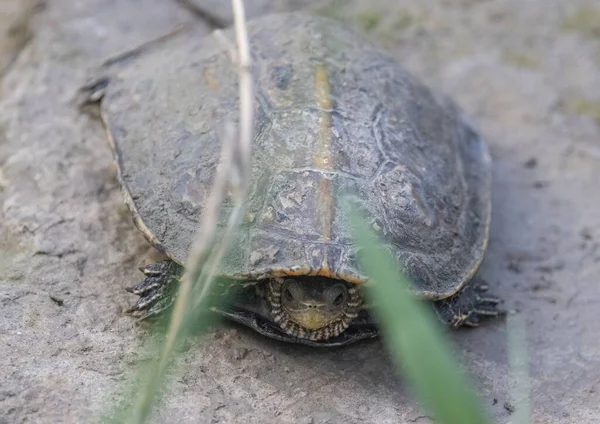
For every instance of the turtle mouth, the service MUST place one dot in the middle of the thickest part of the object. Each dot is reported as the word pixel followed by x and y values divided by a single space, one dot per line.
pixel 317 325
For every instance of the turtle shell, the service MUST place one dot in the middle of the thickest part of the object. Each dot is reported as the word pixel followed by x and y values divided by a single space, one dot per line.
pixel 409 158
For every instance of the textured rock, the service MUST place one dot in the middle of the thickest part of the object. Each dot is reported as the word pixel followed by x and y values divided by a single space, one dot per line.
pixel 528 71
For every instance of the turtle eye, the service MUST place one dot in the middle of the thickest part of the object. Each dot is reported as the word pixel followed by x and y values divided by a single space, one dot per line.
pixel 338 300
pixel 287 295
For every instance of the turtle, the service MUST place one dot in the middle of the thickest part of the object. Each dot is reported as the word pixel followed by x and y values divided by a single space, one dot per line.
pixel 408 156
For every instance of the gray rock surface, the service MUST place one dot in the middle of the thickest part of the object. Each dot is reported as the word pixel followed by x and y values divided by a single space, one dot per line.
pixel 15 16
pixel 528 71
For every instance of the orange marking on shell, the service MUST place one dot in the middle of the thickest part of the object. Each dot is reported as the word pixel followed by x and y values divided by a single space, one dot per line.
pixel 351 279
pixel 323 271
pixel 323 158
pixel 296 272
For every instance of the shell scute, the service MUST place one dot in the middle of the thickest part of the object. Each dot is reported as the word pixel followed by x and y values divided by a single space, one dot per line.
pixel 416 166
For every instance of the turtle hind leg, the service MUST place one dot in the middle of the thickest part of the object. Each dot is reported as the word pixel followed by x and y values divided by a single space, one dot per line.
pixel 157 291
pixel 467 307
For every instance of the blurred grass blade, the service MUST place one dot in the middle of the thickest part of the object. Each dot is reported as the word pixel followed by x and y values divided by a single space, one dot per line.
pixel 414 338
pixel 518 358
pixel 194 294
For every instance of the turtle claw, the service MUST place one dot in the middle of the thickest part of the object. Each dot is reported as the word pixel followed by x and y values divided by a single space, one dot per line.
pixel 156 290
pixel 491 300
pixel 487 306
pixel 152 304
pixel 472 321
pixel 156 268
pixel 481 287
pixel 467 307
pixel 147 285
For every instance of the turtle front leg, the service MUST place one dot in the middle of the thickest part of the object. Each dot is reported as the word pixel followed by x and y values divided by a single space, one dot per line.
pixel 467 306
pixel 157 290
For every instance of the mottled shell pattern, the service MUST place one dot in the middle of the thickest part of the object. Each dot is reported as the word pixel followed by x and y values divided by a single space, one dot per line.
pixel 335 118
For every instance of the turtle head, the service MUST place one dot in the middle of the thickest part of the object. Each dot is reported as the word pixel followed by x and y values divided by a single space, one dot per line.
pixel 315 308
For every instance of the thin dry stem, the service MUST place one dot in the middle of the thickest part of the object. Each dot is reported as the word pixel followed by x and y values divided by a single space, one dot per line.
pixel 240 170
pixel 246 91
pixel 206 252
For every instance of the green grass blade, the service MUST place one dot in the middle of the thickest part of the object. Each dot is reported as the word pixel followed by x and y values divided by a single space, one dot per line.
pixel 415 339
pixel 518 358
